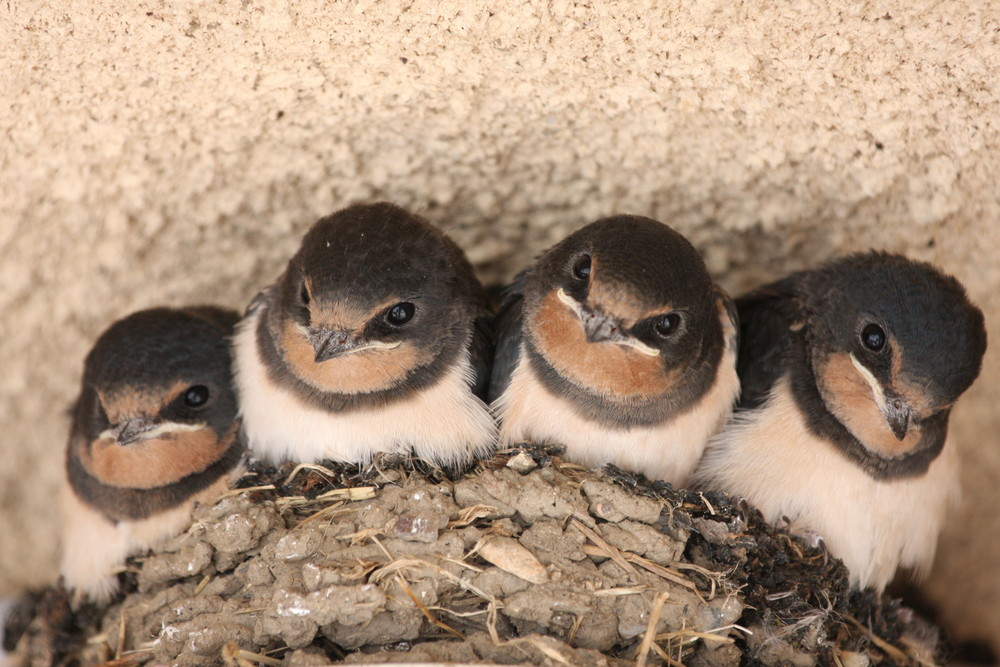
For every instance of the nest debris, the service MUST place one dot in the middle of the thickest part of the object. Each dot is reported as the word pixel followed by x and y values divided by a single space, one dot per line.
pixel 527 559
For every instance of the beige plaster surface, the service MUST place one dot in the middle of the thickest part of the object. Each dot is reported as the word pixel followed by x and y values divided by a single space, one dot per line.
pixel 174 152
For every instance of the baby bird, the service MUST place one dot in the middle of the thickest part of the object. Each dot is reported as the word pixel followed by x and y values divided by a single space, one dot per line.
pixel 153 433
pixel 374 339
pixel 616 344
pixel 849 375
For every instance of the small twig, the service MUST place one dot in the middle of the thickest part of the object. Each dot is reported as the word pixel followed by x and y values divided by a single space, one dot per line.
pixel 425 611
pixel 663 571
pixel 709 574
pixel 232 654
pixel 650 634
pixel 893 652
pixel 398 564
pixel 663 654
pixel 655 568
pixel 491 622
pixel 711 510
pixel 251 610
pixel 236 492
pixel 623 590
pixel 666 656
pixel 459 614
pixel 689 635
pixel 471 514
pixel 332 510
pixel 98 639
pixel 614 553
pixel 308 466
pixel 121 635
pixel 353 493
pixel 381 546
pixel 125 661
pixel 202 584
pixel 543 647
pixel 461 563
pixel 284 502
pixel 577 622
pixel 361 536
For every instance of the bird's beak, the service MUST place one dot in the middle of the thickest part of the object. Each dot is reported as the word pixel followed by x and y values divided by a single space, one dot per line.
pixel 894 408
pixel 330 343
pixel 600 328
pixel 132 430
pixel 897 415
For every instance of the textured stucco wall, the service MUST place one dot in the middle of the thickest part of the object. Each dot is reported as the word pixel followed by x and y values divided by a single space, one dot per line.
pixel 174 152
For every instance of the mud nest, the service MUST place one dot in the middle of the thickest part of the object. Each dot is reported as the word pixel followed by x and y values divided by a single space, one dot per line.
pixel 527 559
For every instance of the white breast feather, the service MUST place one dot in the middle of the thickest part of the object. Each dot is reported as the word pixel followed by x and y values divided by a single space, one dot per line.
pixel 770 458
pixel 444 423
pixel 94 548
pixel 529 412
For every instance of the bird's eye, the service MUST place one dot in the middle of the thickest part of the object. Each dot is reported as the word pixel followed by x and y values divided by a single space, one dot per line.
pixel 667 324
pixel 196 396
pixel 581 267
pixel 400 314
pixel 304 295
pixel 873 337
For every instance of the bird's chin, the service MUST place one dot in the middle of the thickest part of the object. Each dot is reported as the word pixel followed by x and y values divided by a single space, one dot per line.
pixel 156 460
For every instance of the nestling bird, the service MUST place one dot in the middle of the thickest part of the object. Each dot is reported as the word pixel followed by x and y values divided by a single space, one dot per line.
pixel 153 434
pixel 849 374
pixel 616 344
pixel 375 338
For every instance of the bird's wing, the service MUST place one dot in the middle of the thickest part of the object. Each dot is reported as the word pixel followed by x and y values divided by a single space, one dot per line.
pixel 263 297
pixel 727 302
pixel 508 338
pixel 768 318
pixel 221 317
pixel 481 351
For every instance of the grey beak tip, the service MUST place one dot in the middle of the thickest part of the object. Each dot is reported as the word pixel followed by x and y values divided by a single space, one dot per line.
pixel 329 344
pixel 600 328
pixel 898 417
pixel 129 431
pixel 324 352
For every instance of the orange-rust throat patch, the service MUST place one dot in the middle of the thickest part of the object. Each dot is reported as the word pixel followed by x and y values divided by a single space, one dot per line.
pixel 156 462
pixel 617 372
pixel 849 398
pixel 375 369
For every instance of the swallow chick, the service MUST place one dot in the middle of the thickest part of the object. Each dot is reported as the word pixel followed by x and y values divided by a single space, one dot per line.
pixel 153 433
pixel 849 374
pixel 616 344
pixel 374 339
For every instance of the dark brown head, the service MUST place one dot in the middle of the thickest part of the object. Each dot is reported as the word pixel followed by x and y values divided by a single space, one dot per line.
pixel 624 310
pixel 893 343
pixel 374 299
pixel 156 409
